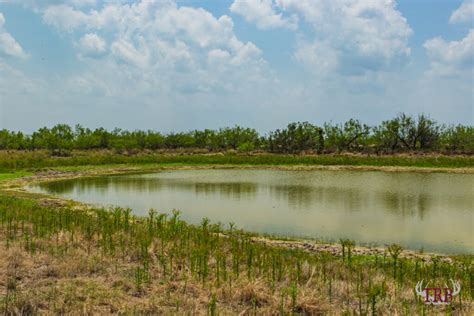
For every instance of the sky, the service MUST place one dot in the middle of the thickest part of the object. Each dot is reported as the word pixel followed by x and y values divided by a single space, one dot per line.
pixel 179 65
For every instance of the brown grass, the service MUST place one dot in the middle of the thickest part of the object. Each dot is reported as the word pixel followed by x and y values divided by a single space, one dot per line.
pixel 71 274
pixel 77 278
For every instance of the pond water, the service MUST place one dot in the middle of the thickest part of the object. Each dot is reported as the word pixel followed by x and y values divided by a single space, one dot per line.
pixel 430 211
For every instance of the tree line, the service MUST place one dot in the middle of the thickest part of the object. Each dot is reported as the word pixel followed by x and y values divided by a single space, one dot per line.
pixel 403 133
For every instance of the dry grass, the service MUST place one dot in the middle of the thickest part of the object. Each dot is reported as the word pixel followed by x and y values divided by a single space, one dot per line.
pixel 68 272
pixel 46 270
pixel 89 283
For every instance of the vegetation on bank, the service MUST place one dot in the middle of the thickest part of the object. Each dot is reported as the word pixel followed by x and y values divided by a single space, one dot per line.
pixel 400 134
pixel 13 175
pixel 57 259
pixel 34 160
pixel 68 260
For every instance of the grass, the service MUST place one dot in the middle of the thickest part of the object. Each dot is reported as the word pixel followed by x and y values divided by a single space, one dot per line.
pixel 14 175
pixel 57 259
pixel 32 160
pixel 68 260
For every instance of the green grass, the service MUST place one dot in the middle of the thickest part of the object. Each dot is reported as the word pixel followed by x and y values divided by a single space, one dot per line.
pixel 13 175
pixel 37 160
pixel 219 263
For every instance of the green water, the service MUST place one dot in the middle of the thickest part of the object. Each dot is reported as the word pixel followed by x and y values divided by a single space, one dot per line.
pixel 433 211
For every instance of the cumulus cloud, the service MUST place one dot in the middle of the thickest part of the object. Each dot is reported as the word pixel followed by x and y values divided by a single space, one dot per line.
pixel 348 38
pixel 65 17
pixel 465 13
pixel 356 36
pixel 319 56
pixel 263 13
pixel 92 44
pixel 8 45
pixel 451 58
pixel 156 61
pixel 80 3
pixel 158 43
pixel 41 5
pixel 126 52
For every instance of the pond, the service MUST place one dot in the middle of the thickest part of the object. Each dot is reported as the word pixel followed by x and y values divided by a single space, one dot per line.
pixel 429 211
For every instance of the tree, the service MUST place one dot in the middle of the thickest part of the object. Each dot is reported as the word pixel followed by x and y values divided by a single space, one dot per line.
pixel 400 133
pixel 206 139
pixel 427 134
pixel 103 137
pixel 458 139
pixel 154 140
pixel 59 139
pixel 13 140
pixel 349 136
pixel 296 137
pixel 179 140
pixel 85 138
pixel 235 137
pixel 386 136
pixel 405 132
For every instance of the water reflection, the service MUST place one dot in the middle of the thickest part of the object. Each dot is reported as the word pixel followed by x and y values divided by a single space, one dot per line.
pixel 142 184
pixel 408 208
pixel 304 196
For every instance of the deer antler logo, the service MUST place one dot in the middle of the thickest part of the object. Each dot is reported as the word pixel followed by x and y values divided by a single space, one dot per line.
pixel 437 298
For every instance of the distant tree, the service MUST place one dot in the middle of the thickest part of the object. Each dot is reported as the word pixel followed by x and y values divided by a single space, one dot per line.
pixel 154 140
pixel 405 132
pixel 206 139
pixel 85 138
pixel 123 140
pixel 398 134
pixel 59 139
pixel 179 140
pixel 235 137
pixel 427 134
pixel 458 139
pixel 346 137
pixel 13 140
pixel 386 136
pixel 103 136
pixel 297 137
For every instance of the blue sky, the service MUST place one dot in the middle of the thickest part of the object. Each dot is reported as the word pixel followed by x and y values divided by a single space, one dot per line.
pixel 181 65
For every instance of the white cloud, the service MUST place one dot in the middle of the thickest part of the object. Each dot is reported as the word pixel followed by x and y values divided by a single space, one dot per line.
pixel 263 14
pixel 8 45
pixel 13 81
pixel 65 17
pixel 160 46
pixel 80 3
pixel 218 56
pixel 40 5
pixel 356 36
pixel 319 56
pixel 162 61
pixel 465 13
pixel 451 58
pixel 126 52
pixel 92 44
pixel 348 38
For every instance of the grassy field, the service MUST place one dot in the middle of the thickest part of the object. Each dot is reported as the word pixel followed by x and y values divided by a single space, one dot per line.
pixel 31 160
pixel 58 257
pixel 14 174
pixel 67 260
